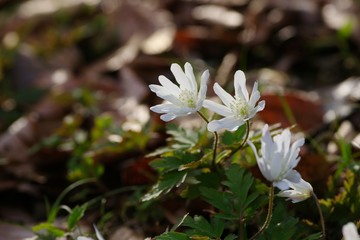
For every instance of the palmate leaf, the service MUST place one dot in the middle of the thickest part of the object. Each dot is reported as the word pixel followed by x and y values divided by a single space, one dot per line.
pixel 167 182
pixel 170 163
pixel 182 138
pixel 220 200
pixel 239 183
pixel 201 227
pixel 282 225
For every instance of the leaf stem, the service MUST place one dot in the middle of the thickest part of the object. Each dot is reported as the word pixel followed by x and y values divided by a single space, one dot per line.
pixel 269 213
pixel 216 140
pixel 321 215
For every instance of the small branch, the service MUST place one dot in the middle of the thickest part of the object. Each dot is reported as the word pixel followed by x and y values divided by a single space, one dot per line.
pixel 321 215
pixel 269 213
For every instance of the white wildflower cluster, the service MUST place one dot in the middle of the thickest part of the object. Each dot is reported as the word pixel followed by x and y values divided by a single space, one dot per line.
pixel 278 156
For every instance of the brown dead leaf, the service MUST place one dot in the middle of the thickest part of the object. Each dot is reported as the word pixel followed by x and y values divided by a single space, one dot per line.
pixel 302 111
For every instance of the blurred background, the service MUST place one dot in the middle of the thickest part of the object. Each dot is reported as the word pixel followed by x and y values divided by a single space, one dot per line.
pixel 74 78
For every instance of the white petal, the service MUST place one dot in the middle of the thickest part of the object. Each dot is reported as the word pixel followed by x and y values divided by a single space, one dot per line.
pixel 240 85
pixel 203 88
pixel 180 77
pixel 294 152
pixel 168 117
pixel 173 88
pixel 228 123
pixel 350 232
pixel 164 94
pixel 267 145
pixel 260 106
pixel 225 97
pixel 171 108
pixel 293 176
pixel 218 108
pixel 298 191
pixel 276 168
pixel 255 95
pixel 260 162
pixel 162 108
pixel 189 72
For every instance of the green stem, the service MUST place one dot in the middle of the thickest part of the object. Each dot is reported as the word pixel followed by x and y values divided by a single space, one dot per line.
pixel 269 213
pixel 216 140
pixel 242 143
pixel 244 140
pixel 321 215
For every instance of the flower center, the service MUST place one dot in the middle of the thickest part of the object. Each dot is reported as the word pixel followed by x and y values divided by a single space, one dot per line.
pixel 188 98
pixel 240 108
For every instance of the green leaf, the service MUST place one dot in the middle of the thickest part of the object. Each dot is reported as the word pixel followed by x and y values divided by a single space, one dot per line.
pixel 222 155
pixel 315 236
pixel 203 228
pixel 231 237
pixel 220 200
pixel 76 214
pixel 172 236
pixel 231 138
pixel 167 182
pixel 49 228
pixel 240 182
pixel 205 159
pixel 183 137
pixel 178 223
pixel 282 226
pixel 171 163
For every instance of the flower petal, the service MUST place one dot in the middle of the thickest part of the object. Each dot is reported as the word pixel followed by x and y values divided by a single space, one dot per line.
pixel 168 117
pixel 298 192
pixel 169 85
pixel 164 94
pixel 203 88
pixel 240 85
pixel 260 106
pixel 171 108
pixel 180 77
pixel 255 95
pixel 350 232
pixel 189 72
pixel 225 97
pixel 228 123
pixel 218 108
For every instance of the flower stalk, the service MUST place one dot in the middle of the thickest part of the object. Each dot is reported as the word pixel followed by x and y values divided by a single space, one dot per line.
pixel 269 213
pixel 216 140
pixel 320 214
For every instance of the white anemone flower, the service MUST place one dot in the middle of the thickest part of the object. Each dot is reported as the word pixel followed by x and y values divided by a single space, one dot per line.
pixel 277 162
pixel 298 192
pixel 236 110
pixel 350 232
pixel 181 100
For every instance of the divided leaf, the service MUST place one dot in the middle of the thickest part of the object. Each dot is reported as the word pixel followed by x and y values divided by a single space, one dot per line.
pixel 167 182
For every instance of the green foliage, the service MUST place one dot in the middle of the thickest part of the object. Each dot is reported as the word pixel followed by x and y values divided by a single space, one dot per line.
pixel 342 205
pixel 234 138
pixel 173 236
pixel 201 227
pixel 47 231
pixel 232 202
pixel 167 182
pixel 76 214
